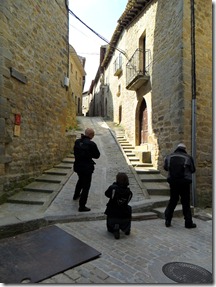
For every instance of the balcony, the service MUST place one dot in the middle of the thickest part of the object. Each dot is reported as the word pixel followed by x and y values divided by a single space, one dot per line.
pixel 137 70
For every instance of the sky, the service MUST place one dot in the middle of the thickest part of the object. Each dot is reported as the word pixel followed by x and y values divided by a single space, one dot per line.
pixel 102 17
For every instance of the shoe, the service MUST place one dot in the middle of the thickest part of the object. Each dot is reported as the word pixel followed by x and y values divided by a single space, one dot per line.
pixel 127 232
pixel 192 225
pixel 84 208
pixel 75 197
pixel 116 234
pixel 168 223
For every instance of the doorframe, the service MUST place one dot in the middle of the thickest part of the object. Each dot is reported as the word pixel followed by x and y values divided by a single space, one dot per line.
pixel 138 120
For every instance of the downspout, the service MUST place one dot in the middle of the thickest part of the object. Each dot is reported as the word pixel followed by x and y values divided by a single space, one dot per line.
pixel 68 47
pixel 193 87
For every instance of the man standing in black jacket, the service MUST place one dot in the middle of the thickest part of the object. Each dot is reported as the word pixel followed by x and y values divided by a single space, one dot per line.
pixel 180 167
pixel 84 150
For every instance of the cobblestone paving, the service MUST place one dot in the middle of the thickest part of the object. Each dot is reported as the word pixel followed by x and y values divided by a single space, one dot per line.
pixel 139 257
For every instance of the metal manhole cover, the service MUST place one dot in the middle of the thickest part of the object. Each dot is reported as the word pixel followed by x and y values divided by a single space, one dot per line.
pixel 182 272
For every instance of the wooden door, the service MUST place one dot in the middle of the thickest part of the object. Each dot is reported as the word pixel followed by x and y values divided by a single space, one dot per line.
pixel 143 121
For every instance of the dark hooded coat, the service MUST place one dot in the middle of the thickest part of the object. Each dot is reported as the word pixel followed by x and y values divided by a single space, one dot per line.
pixel 119 197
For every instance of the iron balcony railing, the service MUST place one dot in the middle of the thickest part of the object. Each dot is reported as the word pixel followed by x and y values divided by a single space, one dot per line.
pixel 138 66
pixel 118 65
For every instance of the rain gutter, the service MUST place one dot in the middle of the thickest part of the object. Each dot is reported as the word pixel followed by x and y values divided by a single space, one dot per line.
pixel 193 87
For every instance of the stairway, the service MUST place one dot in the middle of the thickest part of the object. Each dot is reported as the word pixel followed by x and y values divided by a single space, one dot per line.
pixel 153 181
pixel 39 194
pixel 155 184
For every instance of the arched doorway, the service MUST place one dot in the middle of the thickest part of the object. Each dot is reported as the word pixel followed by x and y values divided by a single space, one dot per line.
pixel 143 123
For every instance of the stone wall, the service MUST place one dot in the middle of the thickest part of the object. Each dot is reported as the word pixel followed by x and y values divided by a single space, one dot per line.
pixel 33 63
pixel 76 76
pixel 166 26
pixel 204 113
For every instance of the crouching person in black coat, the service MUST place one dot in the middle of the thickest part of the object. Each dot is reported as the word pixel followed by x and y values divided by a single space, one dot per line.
pixel 118 211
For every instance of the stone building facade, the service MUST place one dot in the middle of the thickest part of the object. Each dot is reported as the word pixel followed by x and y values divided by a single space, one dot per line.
pixel 85 103
pixel 34 105
pixel 158 77
pixel 97 91
pixel 76 81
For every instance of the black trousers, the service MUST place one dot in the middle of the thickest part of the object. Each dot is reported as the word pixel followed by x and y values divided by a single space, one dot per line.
pixel 179 190
pixel 82 187
pixel 118 223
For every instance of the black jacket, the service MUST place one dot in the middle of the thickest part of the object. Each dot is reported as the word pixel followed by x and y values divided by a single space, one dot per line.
pixel 119 197
pixel 180 167
pixel 84 150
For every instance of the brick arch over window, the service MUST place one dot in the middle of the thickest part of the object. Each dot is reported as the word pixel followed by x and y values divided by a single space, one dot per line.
pixel 141 123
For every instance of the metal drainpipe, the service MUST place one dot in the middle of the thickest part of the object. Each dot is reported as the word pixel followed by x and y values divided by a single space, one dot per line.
pixel 68 47
pixel 193 86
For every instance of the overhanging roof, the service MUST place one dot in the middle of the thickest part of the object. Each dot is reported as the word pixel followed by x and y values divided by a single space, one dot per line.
pixel 132 10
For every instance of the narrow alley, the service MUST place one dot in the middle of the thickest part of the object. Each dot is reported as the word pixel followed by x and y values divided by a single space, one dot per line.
pixel 138 258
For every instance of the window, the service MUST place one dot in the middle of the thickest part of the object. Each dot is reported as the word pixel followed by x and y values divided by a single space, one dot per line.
pixel 119 91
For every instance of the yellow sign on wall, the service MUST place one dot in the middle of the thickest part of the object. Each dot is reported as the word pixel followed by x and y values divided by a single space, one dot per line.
pixel 16 130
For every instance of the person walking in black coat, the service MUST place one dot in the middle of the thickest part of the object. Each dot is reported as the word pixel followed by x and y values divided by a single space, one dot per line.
pixel 84 150
pixel 180 167
pixel 118 211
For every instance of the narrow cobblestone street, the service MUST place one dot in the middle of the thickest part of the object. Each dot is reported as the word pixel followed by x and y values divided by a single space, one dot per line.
pixel 137 258
pixel 107 166
pixel 135 77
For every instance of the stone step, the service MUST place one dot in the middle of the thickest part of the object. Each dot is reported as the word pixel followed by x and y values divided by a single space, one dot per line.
pixel 45 187
pixel 50 178
pixel 144 216
pixel 146 170
pixel 58 171
pixel 71 155
pixel 177 213
pixel 29 197
pixel 155 188
pixel 162 202
pixel 128 151
pixel 155 177
pixel 64 165
pixel 68 160
pixel 24 210
pixel 133 158
pixel 155 201
pixel 126 146
pixel 141 164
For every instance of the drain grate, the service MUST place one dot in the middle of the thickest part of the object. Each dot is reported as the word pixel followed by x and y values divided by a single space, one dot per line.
pixel 182 272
